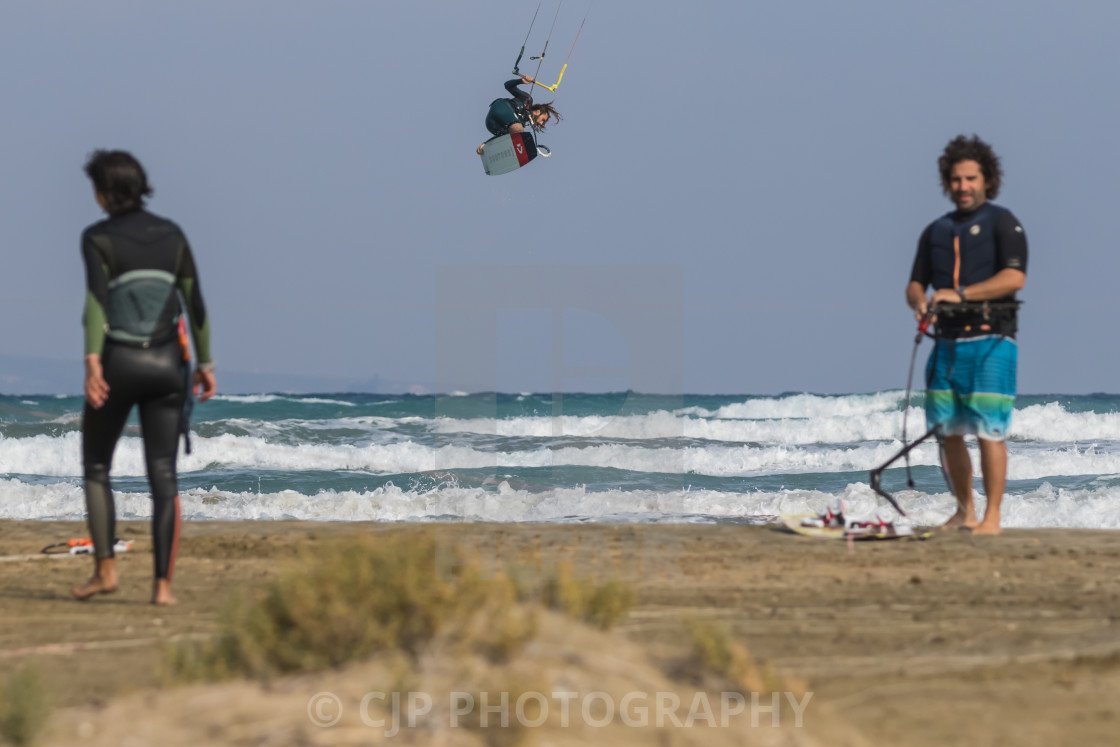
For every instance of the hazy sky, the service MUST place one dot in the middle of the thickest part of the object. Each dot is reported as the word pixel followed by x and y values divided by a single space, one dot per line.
pixel 735 194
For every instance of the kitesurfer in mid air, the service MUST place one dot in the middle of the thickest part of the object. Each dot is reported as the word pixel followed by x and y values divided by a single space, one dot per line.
pixel 514 115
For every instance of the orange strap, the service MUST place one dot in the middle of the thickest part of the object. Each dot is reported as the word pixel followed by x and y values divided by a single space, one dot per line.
pixel 184 340
pixel 956 264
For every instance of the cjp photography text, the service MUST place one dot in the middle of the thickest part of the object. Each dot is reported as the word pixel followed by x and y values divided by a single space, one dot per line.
pixel 393 711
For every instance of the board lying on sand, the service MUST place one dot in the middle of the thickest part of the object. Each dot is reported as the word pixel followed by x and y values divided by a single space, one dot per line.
pixel 797 523
pixel 505 153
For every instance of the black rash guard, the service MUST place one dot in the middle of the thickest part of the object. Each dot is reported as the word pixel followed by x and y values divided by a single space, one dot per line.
pixel 152 376
pixel 523 97
pixel 961 249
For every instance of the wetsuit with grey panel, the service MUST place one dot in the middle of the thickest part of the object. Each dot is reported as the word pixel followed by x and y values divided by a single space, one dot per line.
pixel 138 266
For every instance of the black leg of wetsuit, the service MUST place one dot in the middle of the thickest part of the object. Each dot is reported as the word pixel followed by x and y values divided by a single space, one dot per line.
pixel 159 420
pixel 101 428
pixel 153 378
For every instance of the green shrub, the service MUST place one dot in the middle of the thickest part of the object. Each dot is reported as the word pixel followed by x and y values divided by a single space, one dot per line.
pixel 714 652
pixel 602 606
pixel 345 602
pixel 25 708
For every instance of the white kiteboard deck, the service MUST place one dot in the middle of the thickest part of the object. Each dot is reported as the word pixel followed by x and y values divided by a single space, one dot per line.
pixel 797 523
pixel 505 153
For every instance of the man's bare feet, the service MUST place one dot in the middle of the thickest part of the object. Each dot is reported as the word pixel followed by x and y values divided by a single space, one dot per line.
pixel 103 580
pixel 989 525
pixel 961 520
pixel 161 592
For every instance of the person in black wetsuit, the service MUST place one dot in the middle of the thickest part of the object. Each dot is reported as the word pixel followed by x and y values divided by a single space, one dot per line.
pixel 137 264
pixel 514 115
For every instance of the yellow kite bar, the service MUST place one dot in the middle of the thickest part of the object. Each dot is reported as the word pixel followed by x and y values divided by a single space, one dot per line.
pixel 555 85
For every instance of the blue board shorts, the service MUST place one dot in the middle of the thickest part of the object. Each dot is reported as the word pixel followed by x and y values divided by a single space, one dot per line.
pixel 971 386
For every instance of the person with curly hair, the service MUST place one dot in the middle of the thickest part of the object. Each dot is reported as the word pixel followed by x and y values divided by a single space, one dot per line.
pixel 515 114
pixel 975 258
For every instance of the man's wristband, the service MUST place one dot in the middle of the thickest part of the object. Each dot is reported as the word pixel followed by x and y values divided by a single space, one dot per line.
pixel 208 367
pixel 960 292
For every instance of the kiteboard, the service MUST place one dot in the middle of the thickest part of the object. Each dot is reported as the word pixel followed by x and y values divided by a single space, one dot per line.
pixel 505 153
pixel 812 525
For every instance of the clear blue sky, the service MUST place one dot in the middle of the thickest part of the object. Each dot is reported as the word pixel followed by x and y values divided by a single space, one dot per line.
pixel 765 169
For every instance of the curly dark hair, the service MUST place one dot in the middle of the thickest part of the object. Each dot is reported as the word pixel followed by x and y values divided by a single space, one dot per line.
pixel 963 148
pixel 546 107
pixel 119 178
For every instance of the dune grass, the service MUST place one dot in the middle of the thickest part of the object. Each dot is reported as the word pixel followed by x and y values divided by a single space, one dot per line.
pixel 347 601
pixel 599 605
pixel 714 652
pixel 25 708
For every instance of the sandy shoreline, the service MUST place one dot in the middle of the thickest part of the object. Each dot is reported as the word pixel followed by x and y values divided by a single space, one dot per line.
pixel 1012 639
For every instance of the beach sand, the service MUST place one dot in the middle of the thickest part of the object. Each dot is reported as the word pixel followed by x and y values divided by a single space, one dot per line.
pixel 963 640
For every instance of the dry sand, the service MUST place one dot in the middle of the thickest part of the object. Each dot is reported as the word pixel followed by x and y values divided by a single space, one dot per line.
pixel 954 640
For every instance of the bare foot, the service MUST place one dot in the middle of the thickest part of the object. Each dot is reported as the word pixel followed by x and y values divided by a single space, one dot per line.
pixel 95 585
pixel 478 150
pixel 161 592
pixel 961 520
pixel 987 527
pixel 103 580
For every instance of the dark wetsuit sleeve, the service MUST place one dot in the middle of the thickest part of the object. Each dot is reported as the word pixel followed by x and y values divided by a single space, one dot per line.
pixel 1011 243
pixel 522 96
pixel 922 272
pixel 97 295
pixel 196 309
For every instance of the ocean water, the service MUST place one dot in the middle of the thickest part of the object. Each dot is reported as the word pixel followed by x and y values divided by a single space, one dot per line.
pixel 622 457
